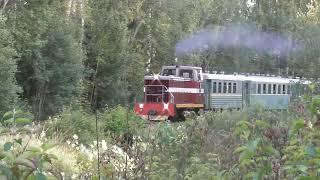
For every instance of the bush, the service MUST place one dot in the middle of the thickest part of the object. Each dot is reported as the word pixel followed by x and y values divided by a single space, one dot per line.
pixel 114 121
pixel 120 121
pixel 70 123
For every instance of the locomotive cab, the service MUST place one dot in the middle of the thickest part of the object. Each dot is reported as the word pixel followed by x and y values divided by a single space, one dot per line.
pixel 167 94
pixel 188 72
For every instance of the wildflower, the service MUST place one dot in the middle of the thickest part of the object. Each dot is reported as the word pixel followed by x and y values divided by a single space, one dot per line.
pixel 43 134
pixel 82 147
pixel 77 148
pixel 75 137
pixel 144 146
pixel 91 156
pixel 310 125
pixel 104 145
pixel 73 145
pixel 68 142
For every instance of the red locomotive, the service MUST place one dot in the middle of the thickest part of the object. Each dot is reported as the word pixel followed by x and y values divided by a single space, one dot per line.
pixel 168 94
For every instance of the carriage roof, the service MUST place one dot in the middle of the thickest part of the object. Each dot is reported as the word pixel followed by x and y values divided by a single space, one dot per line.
pixel 254 78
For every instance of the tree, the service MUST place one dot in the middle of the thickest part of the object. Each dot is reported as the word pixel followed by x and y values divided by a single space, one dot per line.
pixel 8 68
pixel 50 67
pixel 114 62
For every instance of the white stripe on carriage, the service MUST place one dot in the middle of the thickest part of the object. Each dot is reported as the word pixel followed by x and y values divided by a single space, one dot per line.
pixel 186 90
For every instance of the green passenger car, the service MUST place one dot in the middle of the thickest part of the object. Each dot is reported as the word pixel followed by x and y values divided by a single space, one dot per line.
pixel 237 91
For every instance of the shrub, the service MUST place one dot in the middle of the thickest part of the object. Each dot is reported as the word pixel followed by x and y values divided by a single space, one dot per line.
pixel 70 123
pixel 119 121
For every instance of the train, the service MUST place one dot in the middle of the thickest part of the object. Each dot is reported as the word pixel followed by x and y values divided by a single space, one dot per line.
pixel 179 89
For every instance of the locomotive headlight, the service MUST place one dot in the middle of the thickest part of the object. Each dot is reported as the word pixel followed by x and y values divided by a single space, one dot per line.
pixel 156 76
pixel 166 106
pixel 141 106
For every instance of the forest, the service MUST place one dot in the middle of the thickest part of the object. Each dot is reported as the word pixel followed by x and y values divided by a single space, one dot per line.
pixel 71 71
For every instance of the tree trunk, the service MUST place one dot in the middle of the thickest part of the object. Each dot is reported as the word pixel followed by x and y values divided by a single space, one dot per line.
pixel 39 101
pixel 3 4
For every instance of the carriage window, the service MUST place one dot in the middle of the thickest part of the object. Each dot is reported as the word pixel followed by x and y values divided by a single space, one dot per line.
pixel 274 89
pixel 214 87
pixel 283 89
pixel 259 88
pixel 279 89
pixel 219 87
pixel 264 89
pixel 224 87
pixel 229 87
pixel 269 88
pixel 234 89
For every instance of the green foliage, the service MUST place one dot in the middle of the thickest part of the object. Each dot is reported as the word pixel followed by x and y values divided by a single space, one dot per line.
pixel 302 152
pixel 8 88
pixel 17 118
pixel 120 120
pixel 116 121
pixel 50 64
pixel 70 123
pixel 257 152
pixel 314 105
pixel 17 161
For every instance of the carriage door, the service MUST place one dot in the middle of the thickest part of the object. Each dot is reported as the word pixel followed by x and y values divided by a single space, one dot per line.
pixel 246 93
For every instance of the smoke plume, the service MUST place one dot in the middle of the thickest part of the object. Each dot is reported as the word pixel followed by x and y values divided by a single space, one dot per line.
pixel 239 36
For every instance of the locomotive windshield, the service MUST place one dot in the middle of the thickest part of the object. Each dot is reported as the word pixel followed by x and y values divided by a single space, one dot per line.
pixel 169 72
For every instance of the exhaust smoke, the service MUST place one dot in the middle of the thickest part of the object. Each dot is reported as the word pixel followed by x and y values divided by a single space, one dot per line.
pixel 239 36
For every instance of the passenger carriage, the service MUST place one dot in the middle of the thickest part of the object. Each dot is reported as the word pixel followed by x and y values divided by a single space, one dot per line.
pixel 237 91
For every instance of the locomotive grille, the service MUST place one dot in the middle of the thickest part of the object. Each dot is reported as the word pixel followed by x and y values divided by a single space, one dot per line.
pixel 156 91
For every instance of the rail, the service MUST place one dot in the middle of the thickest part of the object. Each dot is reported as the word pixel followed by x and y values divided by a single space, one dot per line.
pixel 164 90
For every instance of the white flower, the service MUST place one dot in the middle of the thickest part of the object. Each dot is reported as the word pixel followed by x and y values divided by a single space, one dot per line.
pixel 83 148
pixel 91 156
pixel 143 146
pixel 43 134
pixel 73 145
pixel 75 137
pixel 77 148
pixel 68 142
pixel 104 145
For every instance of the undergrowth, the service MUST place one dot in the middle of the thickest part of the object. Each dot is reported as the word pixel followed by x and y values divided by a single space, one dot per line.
pixel 249 144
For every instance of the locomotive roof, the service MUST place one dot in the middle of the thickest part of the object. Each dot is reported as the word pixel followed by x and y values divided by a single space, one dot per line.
pixel 240 77
pixel 184 67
